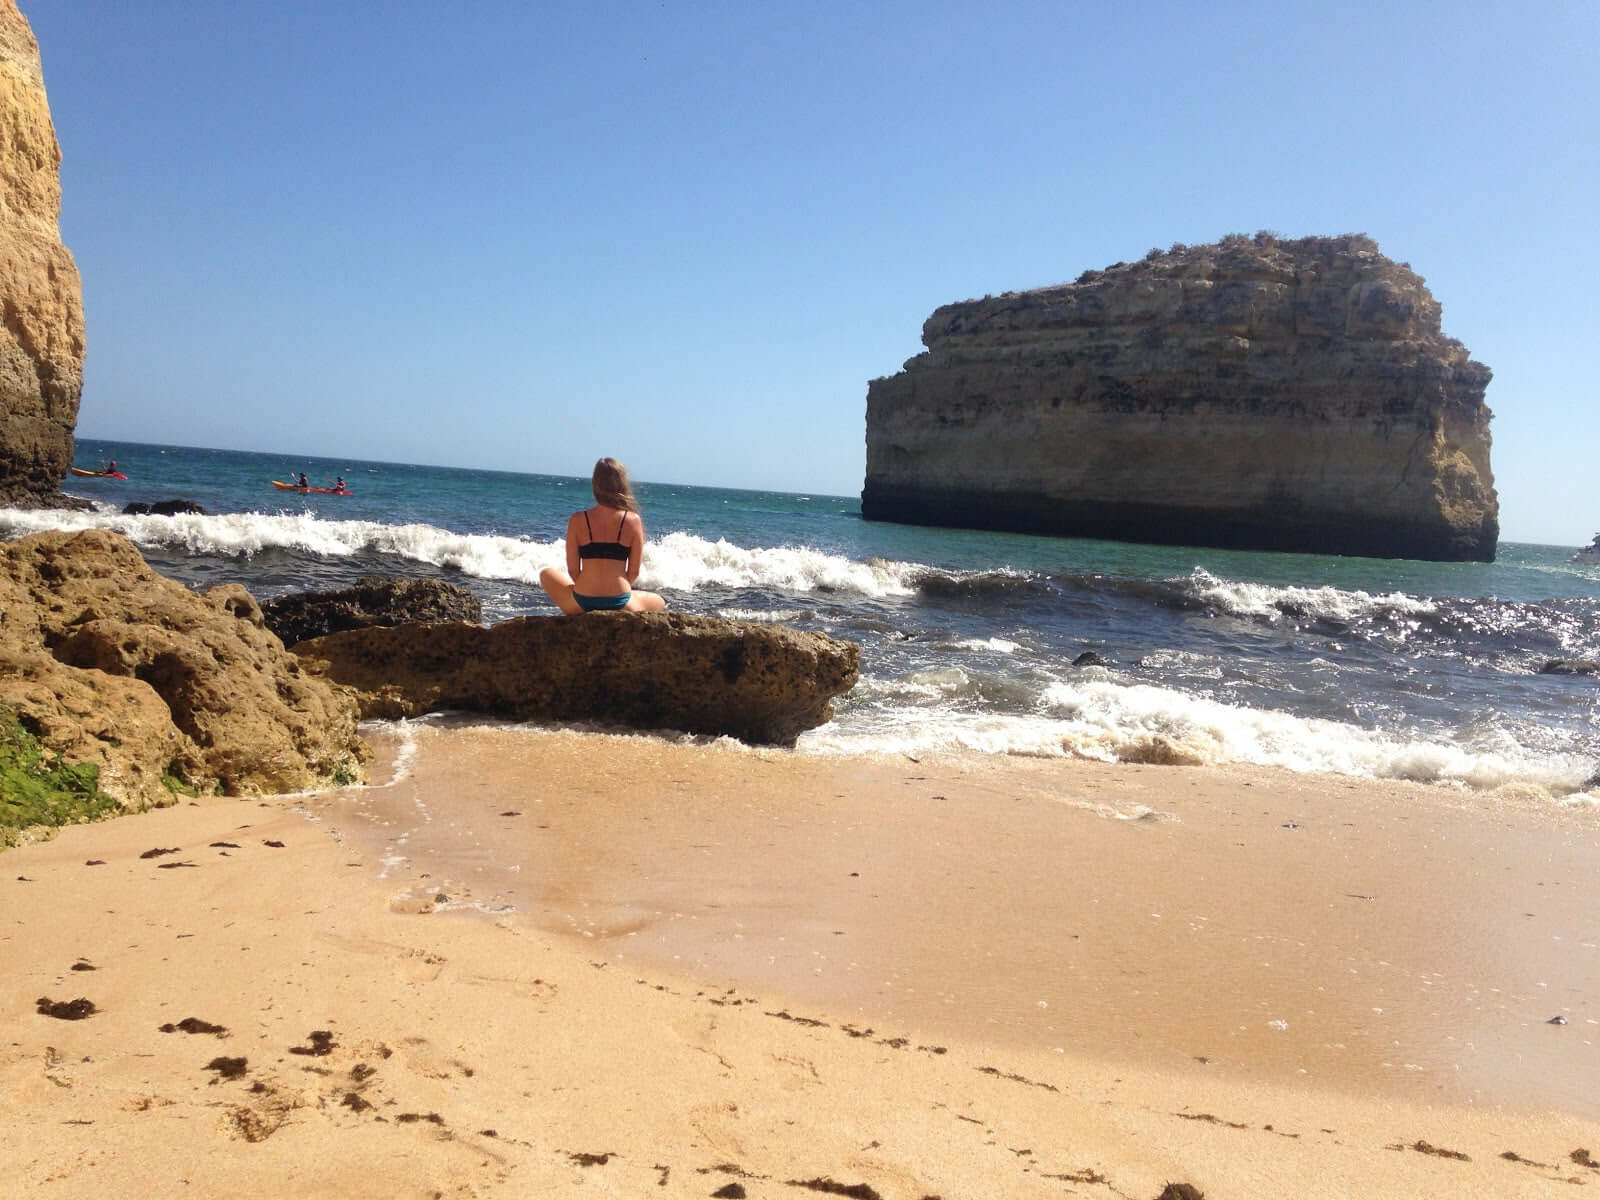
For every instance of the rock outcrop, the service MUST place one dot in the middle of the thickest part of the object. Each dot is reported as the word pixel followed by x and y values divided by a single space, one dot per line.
pixel 41 335
pixel 1257 393
pixel 106 662
pixel 758 683
pixel 162 508
pixel 370 601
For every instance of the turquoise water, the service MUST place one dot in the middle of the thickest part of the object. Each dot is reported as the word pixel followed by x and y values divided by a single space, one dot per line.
pixel 969 639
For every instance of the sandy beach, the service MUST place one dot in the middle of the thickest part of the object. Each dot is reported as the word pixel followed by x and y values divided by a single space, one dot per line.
pixel 527 964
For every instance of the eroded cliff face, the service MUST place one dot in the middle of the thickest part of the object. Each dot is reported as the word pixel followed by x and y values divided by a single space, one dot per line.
pixel 41 306
pixel 1256 393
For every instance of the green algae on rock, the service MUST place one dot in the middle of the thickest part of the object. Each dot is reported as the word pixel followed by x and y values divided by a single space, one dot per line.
pixel 39 790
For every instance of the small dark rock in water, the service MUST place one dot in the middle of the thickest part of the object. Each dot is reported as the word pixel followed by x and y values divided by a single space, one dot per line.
pixel 162 508
pixel 1583 1158
pixel 94 862
pixel 273 844
pixel 441 898
pixel 1089 659
pixel 83 964
pixel 66 1010
pixel 228 1068
pixel 583 1159
pixel 1556 1020
pixel 1570 666
pixel 355 1103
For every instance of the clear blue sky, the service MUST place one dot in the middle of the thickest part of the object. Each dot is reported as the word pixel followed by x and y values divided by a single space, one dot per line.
pixel 521 235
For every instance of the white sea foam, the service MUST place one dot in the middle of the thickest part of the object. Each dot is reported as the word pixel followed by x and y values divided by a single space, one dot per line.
pixel 777 616
pixel 678 561
pixel 683 562
pixel 1095 717
pixel 993 645
pixel 1323 603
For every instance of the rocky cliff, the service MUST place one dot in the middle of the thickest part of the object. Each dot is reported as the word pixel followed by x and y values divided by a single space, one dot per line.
pixel 105 662
pixel 41 342
pixel 1255 393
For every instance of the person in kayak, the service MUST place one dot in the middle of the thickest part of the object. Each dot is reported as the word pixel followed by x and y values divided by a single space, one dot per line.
pixel 111 467
pixel 600 574
pixel 338 484
pixel 304 482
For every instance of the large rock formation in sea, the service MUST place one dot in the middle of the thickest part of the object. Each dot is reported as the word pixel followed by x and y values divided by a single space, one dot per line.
pixel 756 682
pixel 1256 393
pixel 41 337
pixel 106 662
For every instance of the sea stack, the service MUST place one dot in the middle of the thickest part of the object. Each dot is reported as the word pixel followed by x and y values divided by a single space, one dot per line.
pixel 41 340
pixel 1255 393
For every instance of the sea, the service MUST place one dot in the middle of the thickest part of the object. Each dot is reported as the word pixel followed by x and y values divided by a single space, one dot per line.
pixel 971 642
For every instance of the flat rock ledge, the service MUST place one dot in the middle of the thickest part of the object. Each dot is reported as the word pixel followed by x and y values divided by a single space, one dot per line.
pixel 107 662
pixel 371 600
pixel 759 683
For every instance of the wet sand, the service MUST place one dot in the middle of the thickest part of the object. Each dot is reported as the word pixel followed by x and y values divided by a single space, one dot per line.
pixel 558 963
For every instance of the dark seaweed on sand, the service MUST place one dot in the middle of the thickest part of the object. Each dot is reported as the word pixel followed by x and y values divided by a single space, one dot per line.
pixel 159 851
pixel 65 1010
pixel 856 1191
pixel 228 1068
pixel 195 1025
pixel 321 1043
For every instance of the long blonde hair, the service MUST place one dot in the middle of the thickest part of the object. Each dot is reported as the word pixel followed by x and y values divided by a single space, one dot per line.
pixel 611 486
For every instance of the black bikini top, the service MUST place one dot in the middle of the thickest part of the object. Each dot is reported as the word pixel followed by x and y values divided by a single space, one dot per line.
pixel 612 550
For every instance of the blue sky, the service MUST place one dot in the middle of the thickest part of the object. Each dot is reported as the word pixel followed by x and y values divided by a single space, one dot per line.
pixel 521 235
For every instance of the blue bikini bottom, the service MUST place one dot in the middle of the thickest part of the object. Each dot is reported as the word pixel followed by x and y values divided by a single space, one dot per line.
pixel 602 603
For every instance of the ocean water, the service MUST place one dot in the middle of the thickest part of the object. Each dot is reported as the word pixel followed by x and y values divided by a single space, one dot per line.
pixel 970 640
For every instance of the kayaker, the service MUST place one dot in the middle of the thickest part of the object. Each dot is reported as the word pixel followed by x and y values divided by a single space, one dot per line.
pixel 338 484
pixel 600 575
pixel 111 467
pixel 304 482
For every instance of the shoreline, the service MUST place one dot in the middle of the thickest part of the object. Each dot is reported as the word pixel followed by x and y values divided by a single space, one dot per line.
pixel 604 1063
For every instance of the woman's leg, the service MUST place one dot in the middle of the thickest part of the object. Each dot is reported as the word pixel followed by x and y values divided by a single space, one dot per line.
pixel 645 602
pixel 557 584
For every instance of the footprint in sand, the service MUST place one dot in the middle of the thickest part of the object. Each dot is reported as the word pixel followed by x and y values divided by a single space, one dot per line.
pixel 715 1125
pixel 412 965
pixel 421 1057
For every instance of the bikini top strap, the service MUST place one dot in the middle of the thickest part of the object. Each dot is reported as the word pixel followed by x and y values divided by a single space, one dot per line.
pixel 621 525
pixel 587 527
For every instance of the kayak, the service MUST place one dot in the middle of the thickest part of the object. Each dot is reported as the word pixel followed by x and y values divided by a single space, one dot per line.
pixel 295 487
pixel 97 474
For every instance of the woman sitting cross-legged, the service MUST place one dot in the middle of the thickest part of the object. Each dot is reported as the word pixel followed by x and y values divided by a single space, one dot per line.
pixel 600 573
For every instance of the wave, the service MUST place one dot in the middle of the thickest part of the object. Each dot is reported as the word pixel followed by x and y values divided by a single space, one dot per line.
pixel 1098 718
pixel 1331 604
pixel 676 561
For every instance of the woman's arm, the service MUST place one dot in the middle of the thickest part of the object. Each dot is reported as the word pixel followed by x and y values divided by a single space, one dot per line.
pixel 572 546
pixel 635 548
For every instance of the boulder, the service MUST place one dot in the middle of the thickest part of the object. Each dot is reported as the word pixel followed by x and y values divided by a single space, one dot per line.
pixel 759 683
pixel 371 601
pixel 1253 393
pixel 106 662
pixel 162 508
pixel 41 338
